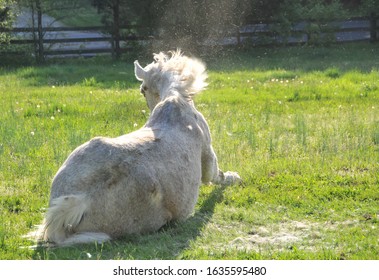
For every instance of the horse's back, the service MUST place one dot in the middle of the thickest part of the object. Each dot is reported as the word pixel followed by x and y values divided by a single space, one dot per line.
pixel 135 183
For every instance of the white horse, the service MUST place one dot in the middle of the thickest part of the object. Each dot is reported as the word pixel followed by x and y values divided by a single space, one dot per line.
pixel 136 183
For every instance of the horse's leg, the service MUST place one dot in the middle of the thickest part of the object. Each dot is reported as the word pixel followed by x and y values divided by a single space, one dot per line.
pixel 212 173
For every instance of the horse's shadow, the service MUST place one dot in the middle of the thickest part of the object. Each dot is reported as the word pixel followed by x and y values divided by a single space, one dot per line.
pixel 170 242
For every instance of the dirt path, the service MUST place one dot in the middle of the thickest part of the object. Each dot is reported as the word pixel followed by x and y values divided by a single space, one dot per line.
pixel 24 19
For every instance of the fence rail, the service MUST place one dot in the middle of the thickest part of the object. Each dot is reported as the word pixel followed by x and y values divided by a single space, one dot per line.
pixel 350 30
pixel 63 41
pixel 58 41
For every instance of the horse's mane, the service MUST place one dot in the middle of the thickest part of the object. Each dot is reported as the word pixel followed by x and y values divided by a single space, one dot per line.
pixel 186 75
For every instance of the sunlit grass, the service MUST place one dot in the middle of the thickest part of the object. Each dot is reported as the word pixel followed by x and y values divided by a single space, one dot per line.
pixel 304 138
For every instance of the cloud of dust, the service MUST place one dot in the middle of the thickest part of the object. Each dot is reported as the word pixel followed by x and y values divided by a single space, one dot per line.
pixel 188 24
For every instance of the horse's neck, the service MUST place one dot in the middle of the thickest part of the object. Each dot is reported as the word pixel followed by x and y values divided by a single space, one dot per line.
pixel 168 93
pixel 171 111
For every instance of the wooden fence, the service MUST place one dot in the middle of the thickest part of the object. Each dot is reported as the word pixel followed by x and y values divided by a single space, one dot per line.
pixel 88 41
pixel 63 41
pixel 350 30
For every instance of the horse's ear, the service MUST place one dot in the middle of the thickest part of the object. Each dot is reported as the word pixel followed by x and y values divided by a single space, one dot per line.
pixel 139 71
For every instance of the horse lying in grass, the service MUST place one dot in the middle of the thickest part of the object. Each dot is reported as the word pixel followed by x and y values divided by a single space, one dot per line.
pixel 136 183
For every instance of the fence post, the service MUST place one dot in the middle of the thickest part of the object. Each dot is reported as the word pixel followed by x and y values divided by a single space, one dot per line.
pixel 238 36
pixel 40 55
pixel 373 26
pixel 116 30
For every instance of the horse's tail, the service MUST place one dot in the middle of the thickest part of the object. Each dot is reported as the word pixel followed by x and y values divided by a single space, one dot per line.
pixel 62 218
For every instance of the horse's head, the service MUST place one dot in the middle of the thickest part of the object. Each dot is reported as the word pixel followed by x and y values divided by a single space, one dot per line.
pixel 170 75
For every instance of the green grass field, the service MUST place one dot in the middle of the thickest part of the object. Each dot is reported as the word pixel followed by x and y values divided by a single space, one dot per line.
pixel 300 125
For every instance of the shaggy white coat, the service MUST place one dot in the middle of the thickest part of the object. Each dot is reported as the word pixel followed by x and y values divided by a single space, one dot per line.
pixel 111 187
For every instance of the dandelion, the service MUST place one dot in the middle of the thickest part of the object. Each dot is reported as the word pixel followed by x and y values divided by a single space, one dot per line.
pixel 32 133
pixel 38 106
pixel 52 118
pixel 52 86
pixel 301 82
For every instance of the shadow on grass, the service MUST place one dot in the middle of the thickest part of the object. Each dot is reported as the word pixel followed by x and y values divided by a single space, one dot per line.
pixel 103 72
pixel 95 72
pixel 347 57
pixel 170 242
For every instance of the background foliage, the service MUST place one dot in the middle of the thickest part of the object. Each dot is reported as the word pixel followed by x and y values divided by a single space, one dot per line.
pixel 186 22
pixel 6 19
